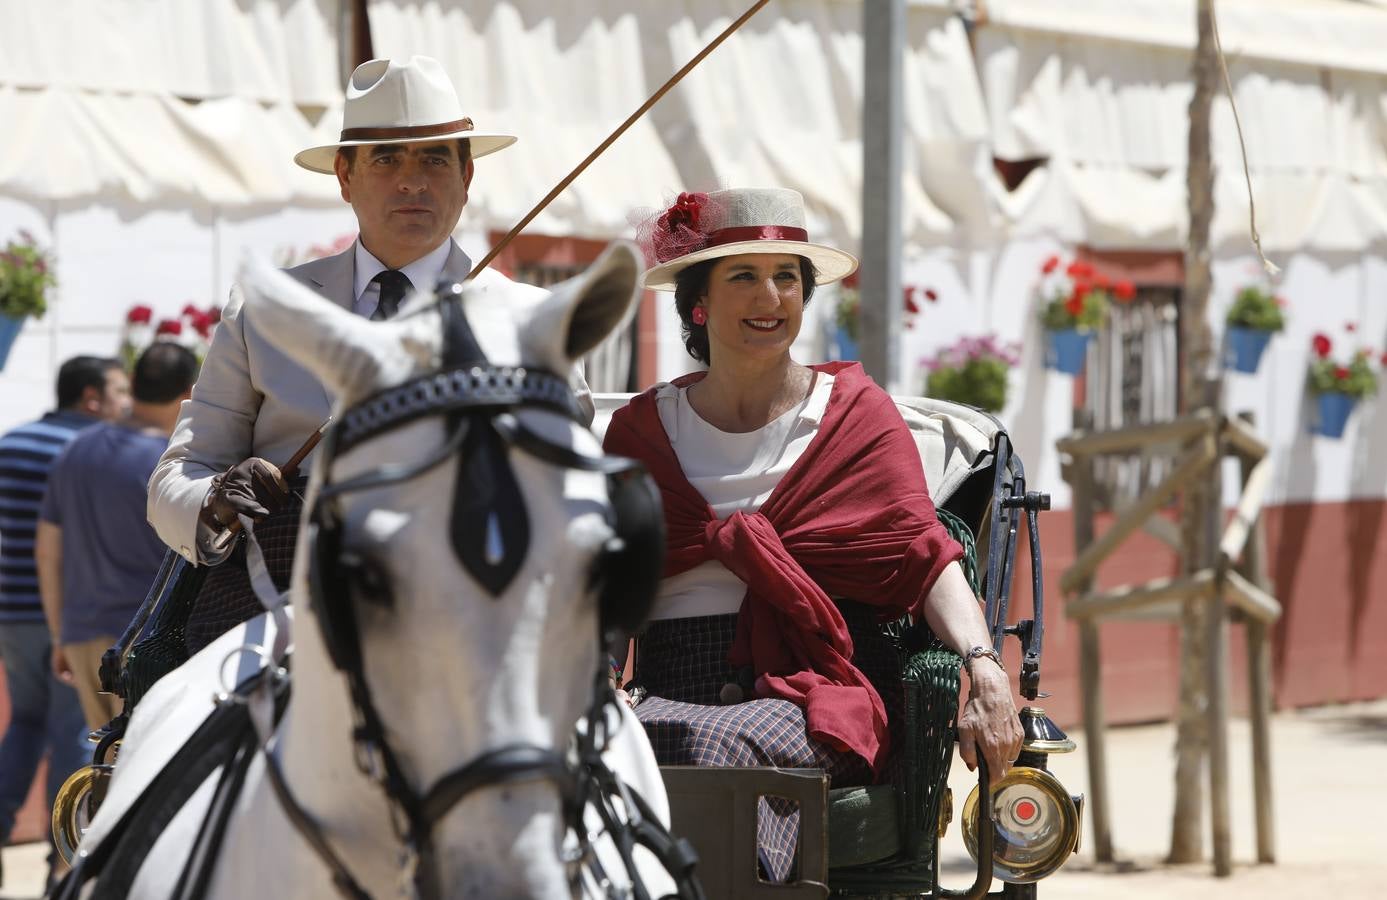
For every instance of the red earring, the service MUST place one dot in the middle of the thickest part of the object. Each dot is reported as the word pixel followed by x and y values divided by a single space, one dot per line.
pixel 699 316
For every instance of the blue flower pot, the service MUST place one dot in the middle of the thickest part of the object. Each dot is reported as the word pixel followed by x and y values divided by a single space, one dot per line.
pixel 9 330
pixel 1068 351
pixel 845 347
pixel 1243 348
pixel 1334 411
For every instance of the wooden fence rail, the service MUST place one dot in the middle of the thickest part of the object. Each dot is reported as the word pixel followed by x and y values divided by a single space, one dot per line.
pixel 1237 586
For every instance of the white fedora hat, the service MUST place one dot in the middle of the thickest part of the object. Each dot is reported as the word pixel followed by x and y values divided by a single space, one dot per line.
pixel 699 227
pixel 398 102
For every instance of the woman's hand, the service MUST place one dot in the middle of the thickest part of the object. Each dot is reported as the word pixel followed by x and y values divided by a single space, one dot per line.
pixel 989 721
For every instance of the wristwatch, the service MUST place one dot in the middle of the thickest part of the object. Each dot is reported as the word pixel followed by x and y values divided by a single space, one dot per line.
pixel 988 652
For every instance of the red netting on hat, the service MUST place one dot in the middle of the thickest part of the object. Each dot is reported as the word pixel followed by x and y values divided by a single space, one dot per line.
pixel 679 230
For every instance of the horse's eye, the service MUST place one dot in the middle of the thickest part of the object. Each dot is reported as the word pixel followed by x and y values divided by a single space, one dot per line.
pixel 369 579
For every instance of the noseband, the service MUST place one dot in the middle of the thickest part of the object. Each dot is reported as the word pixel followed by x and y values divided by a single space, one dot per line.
pixel 490 536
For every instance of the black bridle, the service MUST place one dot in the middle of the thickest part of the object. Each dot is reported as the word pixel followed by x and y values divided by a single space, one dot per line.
pixel 490 537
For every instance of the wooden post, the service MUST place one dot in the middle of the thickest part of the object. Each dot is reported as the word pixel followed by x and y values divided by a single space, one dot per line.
pixel 1200 507
pixel 1216 615
pixel 1259 683
pixel 1090 670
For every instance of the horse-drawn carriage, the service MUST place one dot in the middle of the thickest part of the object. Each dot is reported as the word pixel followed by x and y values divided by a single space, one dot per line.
pixel 338 776
pixel 883 840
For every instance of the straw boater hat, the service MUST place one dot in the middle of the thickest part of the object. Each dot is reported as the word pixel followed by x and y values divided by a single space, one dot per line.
pixel 699 227
pixel 398 102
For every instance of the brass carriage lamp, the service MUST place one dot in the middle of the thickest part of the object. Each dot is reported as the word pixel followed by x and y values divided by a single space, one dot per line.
pixel 1034 820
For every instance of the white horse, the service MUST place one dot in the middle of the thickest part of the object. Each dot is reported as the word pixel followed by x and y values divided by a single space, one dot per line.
pixel 475 640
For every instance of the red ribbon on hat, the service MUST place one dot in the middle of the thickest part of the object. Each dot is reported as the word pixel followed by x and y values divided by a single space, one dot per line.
pixel 757 233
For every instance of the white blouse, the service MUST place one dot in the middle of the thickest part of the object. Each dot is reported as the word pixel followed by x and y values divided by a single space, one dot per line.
pixel 733 472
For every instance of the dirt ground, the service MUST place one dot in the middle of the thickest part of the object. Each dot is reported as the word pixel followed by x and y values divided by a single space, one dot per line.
pixel 1329 790
pixel 1330 787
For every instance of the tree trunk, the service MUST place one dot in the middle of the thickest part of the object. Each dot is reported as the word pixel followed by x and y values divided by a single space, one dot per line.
pixel 1199 509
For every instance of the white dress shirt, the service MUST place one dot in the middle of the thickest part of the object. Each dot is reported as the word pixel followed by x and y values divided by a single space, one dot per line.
pixel 733 471
pixel 422 274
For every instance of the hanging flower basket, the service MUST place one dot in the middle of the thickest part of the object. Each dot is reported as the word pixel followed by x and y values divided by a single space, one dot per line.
pixel 1243 348
pixel 9 330
pixel 844 345
pixel 1338 386
pixel 26 274
pixel 973 370
pixel 843 338
pixel 1075 300
pixel 1068 350
pixel 1334 410
pixel 1256 315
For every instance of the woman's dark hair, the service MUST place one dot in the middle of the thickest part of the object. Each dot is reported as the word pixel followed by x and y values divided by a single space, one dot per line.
pixel 692 283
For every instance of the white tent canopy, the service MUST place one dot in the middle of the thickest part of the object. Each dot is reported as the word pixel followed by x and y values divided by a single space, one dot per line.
pixel 779 103
pixel 1106 102
pixel 275 51
pixel 165 101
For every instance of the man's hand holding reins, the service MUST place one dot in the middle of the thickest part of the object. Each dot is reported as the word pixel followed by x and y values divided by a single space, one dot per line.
pixel 253 487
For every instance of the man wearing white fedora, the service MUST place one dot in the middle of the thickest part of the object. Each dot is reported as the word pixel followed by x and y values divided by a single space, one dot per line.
pixel 404 161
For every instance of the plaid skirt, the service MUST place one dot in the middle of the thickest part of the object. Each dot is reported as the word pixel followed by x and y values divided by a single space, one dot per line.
pixel 227 599
pixel 693 717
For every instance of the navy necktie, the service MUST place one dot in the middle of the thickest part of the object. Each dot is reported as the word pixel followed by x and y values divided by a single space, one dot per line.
pixel 394 284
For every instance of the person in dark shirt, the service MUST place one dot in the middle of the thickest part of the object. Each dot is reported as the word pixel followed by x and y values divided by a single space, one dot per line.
pixel 44 713
pixel 96 553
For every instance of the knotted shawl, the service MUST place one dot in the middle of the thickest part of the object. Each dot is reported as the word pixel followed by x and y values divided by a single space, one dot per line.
pixel 851 518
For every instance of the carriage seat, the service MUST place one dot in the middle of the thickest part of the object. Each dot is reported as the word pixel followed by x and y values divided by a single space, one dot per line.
pixel 882 836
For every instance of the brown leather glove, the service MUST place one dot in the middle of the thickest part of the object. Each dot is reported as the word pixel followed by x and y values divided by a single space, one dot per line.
pixel 253 487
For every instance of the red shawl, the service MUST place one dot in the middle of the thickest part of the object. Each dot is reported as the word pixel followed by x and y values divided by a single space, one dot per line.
pixel 851 518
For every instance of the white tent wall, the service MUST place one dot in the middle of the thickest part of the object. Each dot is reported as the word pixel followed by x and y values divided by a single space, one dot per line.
pixel 778 103
pixel 112 254
pixel 1101 94
pixel 164 148
pixel 147 143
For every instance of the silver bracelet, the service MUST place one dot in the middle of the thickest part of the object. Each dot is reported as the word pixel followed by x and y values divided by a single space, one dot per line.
pixel 975 652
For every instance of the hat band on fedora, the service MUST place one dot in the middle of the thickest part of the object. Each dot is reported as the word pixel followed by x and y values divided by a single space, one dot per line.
pixel 756 233
pixel 407 131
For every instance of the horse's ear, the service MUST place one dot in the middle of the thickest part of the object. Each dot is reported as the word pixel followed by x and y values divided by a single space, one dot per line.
pixel 582 311
pixel 351 355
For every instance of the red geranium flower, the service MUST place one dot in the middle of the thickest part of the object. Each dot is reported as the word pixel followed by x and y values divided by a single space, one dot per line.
pixel 931 295
pixel 1341 372
pixel 1383 360
pixel 169 326
pixel 910 305
pixel 214 314
pixel 139 315
pixel 201 322
pixel 1078 269
pixel 1322 345
pixel 1125 291
pixel 1075 303
pixel 190 310
pixel 1051 265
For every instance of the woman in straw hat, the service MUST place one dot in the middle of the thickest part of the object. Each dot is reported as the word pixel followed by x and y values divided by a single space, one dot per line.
pixel 797 519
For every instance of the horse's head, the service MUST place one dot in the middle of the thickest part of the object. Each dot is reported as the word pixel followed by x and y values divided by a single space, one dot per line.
pixel 459 521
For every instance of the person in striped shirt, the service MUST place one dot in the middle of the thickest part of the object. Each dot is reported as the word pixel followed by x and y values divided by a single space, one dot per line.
pixel 45 714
